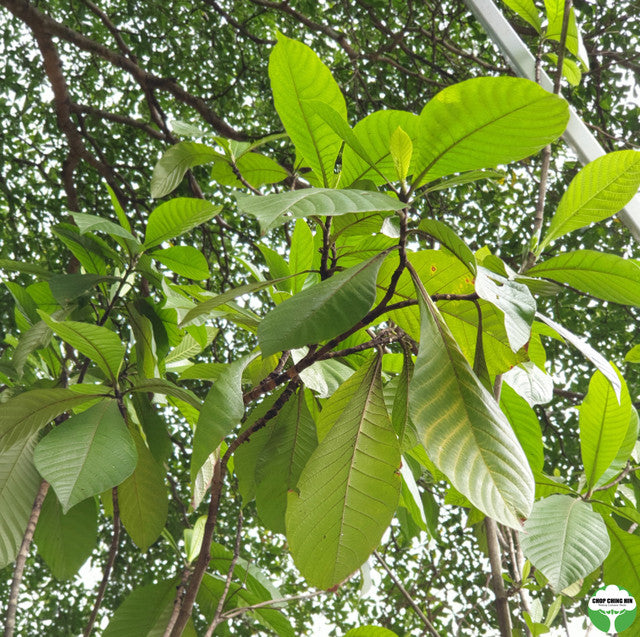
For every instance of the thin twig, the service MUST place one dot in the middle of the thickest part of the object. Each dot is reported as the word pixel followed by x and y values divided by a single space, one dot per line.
pixel 425 620
pixel 272 602
pixel 21 559
pixel 113 552
pixel 497 583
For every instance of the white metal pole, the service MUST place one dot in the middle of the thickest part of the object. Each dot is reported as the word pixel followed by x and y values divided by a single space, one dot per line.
pixel 521 60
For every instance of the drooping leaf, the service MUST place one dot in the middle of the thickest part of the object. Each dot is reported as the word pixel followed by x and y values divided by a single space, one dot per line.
pixel 87 454
pixel 622 565
pixel 464 178
pixel 175 217
pixel 68 287
pixel 297 77
pixel 348 490
pixel 184 260
pixel 273 210
pixel 525 425
pixel 604 421
pixel 483 122
pixel 462 428
pixel 605 276
pixel 292 440
pixel 514 299
pixel 626 449
pixel 166 387
pixel 19 481
pixel 449 239
pixel 373 134
pixel 29 412
pixel 405 429
pixel 599 190
pixel 527 10
pixel 91 223
pixel 172 166
pixel 65 542
pixel 322 311
pixel 565 539
pixel 100 344
pixel 143 498
pixel 601 363
pixel 146 612
pixel 221 411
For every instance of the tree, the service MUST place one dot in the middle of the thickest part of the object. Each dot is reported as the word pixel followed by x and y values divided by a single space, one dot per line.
pixel 326 343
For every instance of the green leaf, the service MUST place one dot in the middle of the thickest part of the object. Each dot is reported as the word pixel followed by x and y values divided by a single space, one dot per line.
pixel 483 122
pixel 273 210
pixel 514 299
pixel 348 490
pixel 633 355
pixel 100 344
pixel 525 425
pixel 24 301
pixel 322 311
pixel 184 260
pixel 163 386
pixel 373 135
pixel 256 169
pixel 370 631
pixel 527 10
pixel 564 539
pixel 92 252
pixel 292 440
pixel 143 498
pixel 65 542
pixel 91 223
pixel 462 428
pixel 30 411
pixel 146 612
pixel 605 276
pixel 574 44
pixel 622 565
pixel 176 161
pixel 447 237
pixel 599 190
pixel 604 422
pixel 530 382
pixel 68 287
pixel 601 363
pixel 87 454
pixel 405 429
pixel 19 482
pixel 401 148
pixel 297 77
pixel 175 217
pixel 301 253
pixel 278 267
pixel 189 347
pixel 570 69
pixel 465 178
pixel 626 449
pixel 26 268
pixel 222 410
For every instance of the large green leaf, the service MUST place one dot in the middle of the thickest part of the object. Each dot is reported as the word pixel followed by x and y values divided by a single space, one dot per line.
pixel 370 631
pixel 173 165
pixel 447 237
pixel 603 275
pixel 564 539
pixel 19 481
pixel 622 565
pixel 146 612
pixel 374 133
pixel 525 425
pixel 604 422
pixel 348 490
pixel 68 287
pixel 626 449
pixel 143 498
pixel 292 440
pixel 301 253
pixel 256 169
pixel 87 454
pixel 462 428
pixel 91 223
pixel 175 217
pixel 184 260
pixel 601 363
pixel 555 15
pixel 27 413
pixel 273 210
pixel 298 77
pixel 514 299
pixel 527 10
pixel 100 344
pixel 405 429
pixel 322 311
pixel 483 122
pixel 166 387
pixel 599 190
pixel 66 541
pixel 221 411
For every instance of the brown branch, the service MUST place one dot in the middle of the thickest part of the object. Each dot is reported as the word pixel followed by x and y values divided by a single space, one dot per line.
pixel 108 567
pixel 85 109
pixel 21 559
pixel 425 620
pixel 497 583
